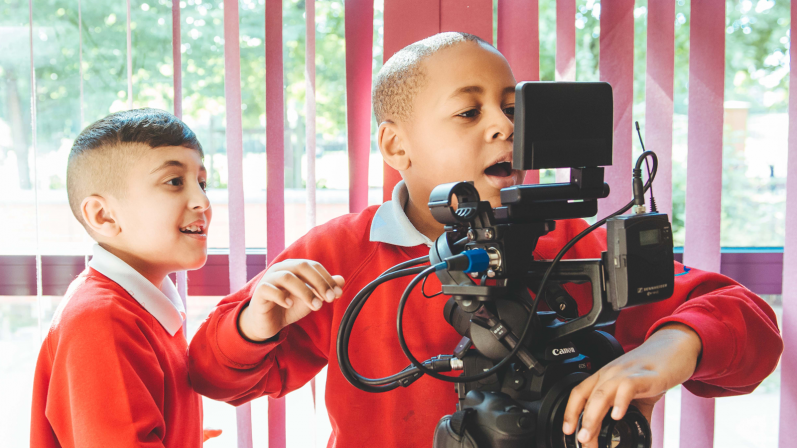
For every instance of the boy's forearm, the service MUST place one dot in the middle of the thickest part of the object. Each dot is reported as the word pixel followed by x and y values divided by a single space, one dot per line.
pixel 687 345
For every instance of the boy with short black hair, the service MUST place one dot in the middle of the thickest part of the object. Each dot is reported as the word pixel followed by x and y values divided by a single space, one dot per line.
pixel 445 108
pixel 113 368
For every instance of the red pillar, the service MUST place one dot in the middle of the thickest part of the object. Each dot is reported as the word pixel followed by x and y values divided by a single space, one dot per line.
pixel 468 16
pixel 359 23
pixel 519 42
pixel 408 21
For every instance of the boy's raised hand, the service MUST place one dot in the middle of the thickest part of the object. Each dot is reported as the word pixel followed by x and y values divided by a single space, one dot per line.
pixel 288 291
pixel 640 377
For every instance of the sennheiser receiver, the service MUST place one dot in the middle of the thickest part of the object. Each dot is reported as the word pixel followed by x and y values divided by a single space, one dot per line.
pixel 640 259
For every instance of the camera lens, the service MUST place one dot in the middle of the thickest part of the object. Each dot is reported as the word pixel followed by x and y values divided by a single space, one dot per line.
pixel 632 431
pixel 621 436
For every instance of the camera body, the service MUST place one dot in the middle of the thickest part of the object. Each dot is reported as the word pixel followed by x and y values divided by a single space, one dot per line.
pixel 559 125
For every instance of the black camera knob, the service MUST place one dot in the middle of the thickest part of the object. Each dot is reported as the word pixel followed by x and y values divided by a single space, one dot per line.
pixel 525 422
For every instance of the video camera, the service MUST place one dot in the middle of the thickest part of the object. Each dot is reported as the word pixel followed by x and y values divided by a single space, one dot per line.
pixel 520 364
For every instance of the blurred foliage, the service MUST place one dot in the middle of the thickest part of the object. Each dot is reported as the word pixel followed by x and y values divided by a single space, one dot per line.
pixel 757 65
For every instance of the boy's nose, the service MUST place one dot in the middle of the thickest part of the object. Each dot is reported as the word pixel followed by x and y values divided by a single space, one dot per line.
pixel 501 128
pixel 199 201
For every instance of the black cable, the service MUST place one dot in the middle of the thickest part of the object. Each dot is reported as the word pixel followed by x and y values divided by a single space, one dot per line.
pixel 423 290
pixel 653 207
pixel 541 288
pixel 406 264
pixel 374 385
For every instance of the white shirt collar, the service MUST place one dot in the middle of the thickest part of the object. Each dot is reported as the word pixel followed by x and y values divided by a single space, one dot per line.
pixel 163 304
pixel 391 225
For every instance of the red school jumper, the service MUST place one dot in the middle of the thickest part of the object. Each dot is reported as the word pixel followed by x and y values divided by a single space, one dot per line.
pixel 741 341
pixel 110 375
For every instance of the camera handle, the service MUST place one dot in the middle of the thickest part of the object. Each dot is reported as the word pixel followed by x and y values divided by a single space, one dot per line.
pixel 591 270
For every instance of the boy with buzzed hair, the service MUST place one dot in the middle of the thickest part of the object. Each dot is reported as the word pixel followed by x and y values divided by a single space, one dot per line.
pixel 113 369
pixel 445 107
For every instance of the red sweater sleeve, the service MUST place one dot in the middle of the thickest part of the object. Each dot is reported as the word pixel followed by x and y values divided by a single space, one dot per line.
pixel 738 330
pixel 103 384
pixel 225 366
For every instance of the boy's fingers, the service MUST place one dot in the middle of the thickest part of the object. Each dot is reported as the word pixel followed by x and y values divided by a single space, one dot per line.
pixel 319 279
pixel 578 397
pixel 626 392
pixel 298 289
pixel 595 410
pixel 340 281
pixel 271 295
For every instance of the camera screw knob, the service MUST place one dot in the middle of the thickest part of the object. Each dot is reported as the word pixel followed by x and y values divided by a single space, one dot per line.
pixel 488 234
pixel 471 235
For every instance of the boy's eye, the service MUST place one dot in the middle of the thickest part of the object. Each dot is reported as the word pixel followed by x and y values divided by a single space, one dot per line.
pixel 510 111
pixel 176 182
pixel 472 113
pixel 203 185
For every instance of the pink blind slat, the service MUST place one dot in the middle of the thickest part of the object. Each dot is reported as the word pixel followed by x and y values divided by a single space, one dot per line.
pixel 177 69
pixel 704 178
pixel 310 109
pixel 235 186
pixel 80 68
pixel 34 149
pixel 275 173
pixel 359 31
pixel 310 135
pixel 406 21
pixel 469 16
pixel 86 237
pixel 659 95
pixel 519 37
pixel 275 132
pixel 566 40
pixel 519 41
pixel 177 61
pixel 788 361
pixel 565 54
pixel 129 60
pixel 658 127
pixel 617 68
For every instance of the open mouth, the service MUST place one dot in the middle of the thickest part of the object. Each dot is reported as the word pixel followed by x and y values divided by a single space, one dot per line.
pixel 500 169
pixel 193 229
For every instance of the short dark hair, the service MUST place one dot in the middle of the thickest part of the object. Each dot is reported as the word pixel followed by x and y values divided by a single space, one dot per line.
pixel 152 127
pixel 402 76
pixel 104 151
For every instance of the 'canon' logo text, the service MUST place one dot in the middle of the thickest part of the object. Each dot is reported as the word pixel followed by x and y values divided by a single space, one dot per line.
pixel 563 351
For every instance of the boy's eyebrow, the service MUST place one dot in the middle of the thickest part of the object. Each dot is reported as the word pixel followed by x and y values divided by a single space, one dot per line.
pixel 479 89
pixel 167 164
pixel 467 89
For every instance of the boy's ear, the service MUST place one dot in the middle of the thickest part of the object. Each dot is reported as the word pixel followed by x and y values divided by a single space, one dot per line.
pixel 98 217
pixel 390 145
